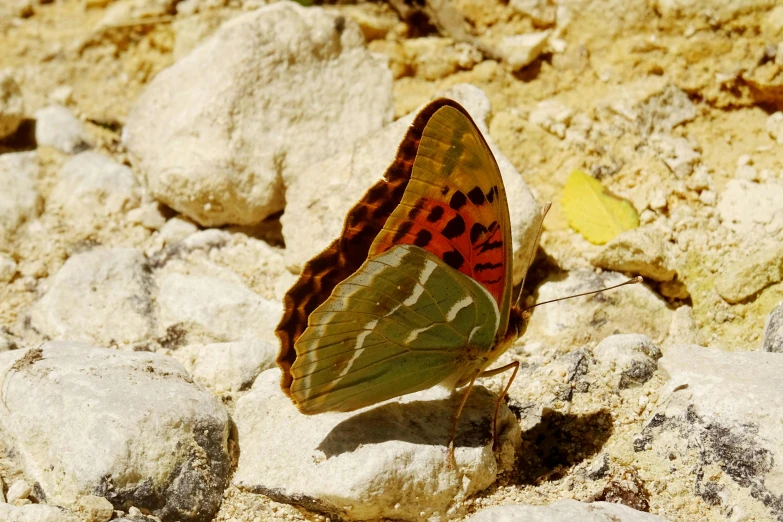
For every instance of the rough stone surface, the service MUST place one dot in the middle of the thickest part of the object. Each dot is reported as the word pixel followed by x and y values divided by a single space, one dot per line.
pixel 11 105
pixel 569 324
pixel 208 309
pixel 91 182
pixel 288 86
pixel 104 296
pixel 633 358
pixel 56 127
pixel 228 367
pixel 750 273
pixel 745 205
pixel 351 464
pixel 641 251
pixel 565 511
pixel 773 331
pixel 35 513
pixel 95 509
pixel 131 427
pixel 727 406
pixel 316 207
pixel 19 200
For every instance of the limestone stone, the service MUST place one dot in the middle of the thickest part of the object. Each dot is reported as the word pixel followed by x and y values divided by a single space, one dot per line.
pixel 288 86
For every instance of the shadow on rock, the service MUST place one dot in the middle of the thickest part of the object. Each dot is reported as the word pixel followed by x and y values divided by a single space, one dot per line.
pixel 417 422
pixel 560 441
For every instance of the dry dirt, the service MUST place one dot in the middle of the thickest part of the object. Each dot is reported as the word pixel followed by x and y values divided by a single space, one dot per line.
pixel 723 58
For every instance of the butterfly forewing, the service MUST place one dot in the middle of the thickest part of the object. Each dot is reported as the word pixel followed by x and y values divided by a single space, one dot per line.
pixel 405 321
pixel 454 206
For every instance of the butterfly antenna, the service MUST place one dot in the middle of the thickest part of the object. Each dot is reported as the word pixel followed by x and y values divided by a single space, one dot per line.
pixel 547 206
pixel 632 281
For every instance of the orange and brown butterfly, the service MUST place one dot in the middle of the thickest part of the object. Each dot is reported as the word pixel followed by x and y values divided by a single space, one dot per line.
pixel 416 291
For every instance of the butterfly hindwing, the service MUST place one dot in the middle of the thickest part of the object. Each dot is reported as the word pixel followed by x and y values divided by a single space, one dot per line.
pixel 405 321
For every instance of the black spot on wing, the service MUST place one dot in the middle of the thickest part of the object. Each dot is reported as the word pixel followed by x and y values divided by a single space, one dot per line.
pixel 489 245
pixel 492 194
pixel 476 196
pixel 416 210
pixel 435 214
pixel 402 231
pixel 454 259
pixel 444 190
pixel 458 200
pixel 476 232
pixel 454 228
pixel 423 238
pixel 479 267
pixel 492 281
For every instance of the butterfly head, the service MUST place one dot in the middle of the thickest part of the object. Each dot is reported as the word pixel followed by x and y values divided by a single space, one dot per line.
pixel 517 323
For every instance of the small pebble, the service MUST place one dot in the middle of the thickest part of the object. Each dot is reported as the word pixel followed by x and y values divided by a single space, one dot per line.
pixel 18 490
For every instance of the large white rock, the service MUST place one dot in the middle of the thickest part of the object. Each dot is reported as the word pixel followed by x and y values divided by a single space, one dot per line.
pixel 227 367
pixel 565 511
pixel 104 296
pixel 207 309
pixel 93 183
pixel 387 461
pixel 11 105
pixel 316 205
pixel 128 426
pixel 719 417
pixel 570 324
pixel 19 199
pixel 56 127
pixel 287 86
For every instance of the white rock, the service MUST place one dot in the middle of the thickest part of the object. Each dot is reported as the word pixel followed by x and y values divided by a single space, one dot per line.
pixel 773 331
pixel 552 116
pixel 565 511
pixel 316 207
pixel 775 126
pixel 683 329
pixel 642 251
pixel 729 406
pixel 104 296
pixel 18 490
pixel 743 205
pixel 664 111
pixel 207 309
pixel 227 367
pixel 62 95
pixel 288 86
pixel 19 200
pixel 11 105
pixel 570 324
pixel 522 49
pixel 753 270
pixel 677 153
pixel 149 216
pixel 176 229
pixel 56 127
pixel 632 358
pixel 93 183
pixel 35 513
pixel 131 427
pixel 382 462
pixel 7 268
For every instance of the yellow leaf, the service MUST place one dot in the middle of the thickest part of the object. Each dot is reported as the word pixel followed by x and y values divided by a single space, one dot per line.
pixel 593 212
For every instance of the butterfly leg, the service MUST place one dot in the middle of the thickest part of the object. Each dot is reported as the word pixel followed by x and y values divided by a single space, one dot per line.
pixel 490 373
pixel 453 433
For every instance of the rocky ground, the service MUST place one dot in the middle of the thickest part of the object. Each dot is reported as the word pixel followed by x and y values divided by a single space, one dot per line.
pixel 167 167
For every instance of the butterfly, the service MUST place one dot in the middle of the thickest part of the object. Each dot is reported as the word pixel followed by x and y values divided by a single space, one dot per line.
pixel 416 292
